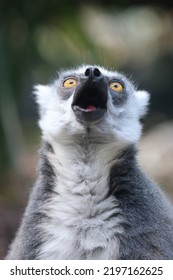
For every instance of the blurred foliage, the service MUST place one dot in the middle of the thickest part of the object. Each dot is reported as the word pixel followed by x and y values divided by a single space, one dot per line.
pixel 37 38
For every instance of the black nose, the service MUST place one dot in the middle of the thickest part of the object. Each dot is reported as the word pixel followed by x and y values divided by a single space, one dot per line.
pixel 93 73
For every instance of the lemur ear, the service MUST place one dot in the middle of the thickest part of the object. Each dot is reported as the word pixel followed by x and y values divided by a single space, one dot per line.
pixel 42 95
pixel 142 100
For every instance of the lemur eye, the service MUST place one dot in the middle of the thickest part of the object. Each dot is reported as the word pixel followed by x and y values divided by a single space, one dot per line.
pixel 116 86
pixel 70 82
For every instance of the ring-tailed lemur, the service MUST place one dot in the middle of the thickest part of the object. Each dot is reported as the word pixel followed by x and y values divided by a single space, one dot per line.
pixel 91 200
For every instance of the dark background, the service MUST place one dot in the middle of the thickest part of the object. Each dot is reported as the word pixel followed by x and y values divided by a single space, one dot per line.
pixel 37 38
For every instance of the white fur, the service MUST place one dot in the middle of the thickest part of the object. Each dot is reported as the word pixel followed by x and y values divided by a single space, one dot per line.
pixel 142 99
pixel 79 212
pixel 58 120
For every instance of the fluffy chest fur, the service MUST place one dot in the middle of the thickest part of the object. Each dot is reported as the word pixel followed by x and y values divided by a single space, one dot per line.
pixel 84 223
pixel 85 204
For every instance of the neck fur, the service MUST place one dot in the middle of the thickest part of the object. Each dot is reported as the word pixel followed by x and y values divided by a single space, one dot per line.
pixel 83 167
pixel 83 218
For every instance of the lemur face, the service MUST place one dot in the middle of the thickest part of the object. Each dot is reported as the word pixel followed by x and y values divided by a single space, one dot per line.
pixel 91 97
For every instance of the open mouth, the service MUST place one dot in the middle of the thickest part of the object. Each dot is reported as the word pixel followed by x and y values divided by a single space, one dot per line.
pixel 90 103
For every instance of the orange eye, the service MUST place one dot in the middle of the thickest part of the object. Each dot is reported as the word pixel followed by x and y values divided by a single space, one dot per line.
pixel 116 86
pixel 69 83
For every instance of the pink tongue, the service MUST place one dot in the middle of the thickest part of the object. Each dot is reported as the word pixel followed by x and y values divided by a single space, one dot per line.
pixel 91 108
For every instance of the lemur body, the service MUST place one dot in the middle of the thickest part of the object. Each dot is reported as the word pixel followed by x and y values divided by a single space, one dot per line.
pixel 91 200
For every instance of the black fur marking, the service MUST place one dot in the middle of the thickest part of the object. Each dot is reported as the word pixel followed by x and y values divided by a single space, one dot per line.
pixel 49 147
pixel 119 172
pixel 47 174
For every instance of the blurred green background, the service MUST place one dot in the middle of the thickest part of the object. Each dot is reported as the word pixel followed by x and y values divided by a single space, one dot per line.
pixel 37 38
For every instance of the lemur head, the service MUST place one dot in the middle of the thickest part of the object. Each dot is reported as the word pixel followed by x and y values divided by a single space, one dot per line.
pixel 91 99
